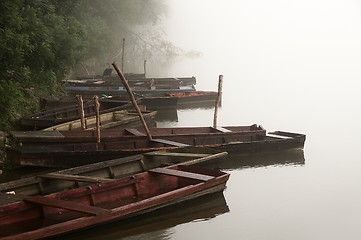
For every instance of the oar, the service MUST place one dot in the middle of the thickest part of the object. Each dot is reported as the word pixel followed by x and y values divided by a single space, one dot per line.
pixel 130 93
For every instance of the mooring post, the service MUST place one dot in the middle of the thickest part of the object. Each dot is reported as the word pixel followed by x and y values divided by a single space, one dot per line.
pixel 81 111
pixel 219 97
pixel 97 117
pixel 123 55
pixel 145 68
pixel 134 102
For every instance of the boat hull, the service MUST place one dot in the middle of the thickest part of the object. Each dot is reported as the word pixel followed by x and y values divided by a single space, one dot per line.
pixel 84 207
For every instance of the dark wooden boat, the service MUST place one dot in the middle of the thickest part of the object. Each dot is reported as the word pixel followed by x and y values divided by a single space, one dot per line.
pixel 114 135
pixel 145 82
pixel 56 116
pixel 82 153
pixel 200 209
pixel 44 216
pixel 47 182
pixel 160 101
pixel 107 74
pixel 116 119
pixel 195 99
pixel 86 91
pixel 150 102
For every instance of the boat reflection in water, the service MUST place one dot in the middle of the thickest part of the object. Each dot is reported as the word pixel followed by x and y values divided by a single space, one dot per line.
pixel 289 157
pixel 158 224
pixel 166 115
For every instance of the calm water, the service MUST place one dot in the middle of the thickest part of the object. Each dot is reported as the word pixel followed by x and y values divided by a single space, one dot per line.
pixel 287 65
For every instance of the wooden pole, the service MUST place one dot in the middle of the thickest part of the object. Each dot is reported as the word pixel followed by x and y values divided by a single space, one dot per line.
pixel 145 68
pixel 131 96
pixel 97 117
pixel 219 97
pixel 123 55
pixel 81 111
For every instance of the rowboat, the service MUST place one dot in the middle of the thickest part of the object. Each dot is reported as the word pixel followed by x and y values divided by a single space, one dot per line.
pixel 47 182
pixel 153 101
pixel 195 99
pixel 58 213
pixel 158 223
pixel 118 90
pixel 146 82
pixel 56 116
pixel 116 135
pixel 116 119
pixel 247 142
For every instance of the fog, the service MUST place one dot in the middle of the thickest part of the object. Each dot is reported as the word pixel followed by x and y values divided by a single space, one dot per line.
pixel 287 65
pixel 295 54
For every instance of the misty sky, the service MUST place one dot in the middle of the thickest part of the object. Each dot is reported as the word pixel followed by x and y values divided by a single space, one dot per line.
pixel 310 33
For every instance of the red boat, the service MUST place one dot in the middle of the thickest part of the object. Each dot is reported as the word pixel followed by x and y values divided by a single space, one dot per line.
pixel 44 216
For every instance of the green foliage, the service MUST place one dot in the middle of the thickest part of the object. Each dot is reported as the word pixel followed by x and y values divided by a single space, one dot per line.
pixel 41 41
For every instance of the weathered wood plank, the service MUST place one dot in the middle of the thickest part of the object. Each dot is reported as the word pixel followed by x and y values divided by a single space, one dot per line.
pixel 183 174
pixel 134 132
pixel 74 178
pixel 222 129
pixel 171 143
pixel 53 202
pixel 277 136
pixel 175 154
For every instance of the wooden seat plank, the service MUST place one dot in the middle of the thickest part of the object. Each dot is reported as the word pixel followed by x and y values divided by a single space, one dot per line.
pixel 74 178
pixel 183 174
pixel 222 129
pixel 134 132
pixel 175 154
pixel 277 136
pixel 73 206
pixel 171 143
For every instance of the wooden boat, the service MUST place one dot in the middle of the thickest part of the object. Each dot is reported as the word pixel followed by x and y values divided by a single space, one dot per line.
pixel 146 82
pixel 119 90
pixel 116 119
pixel 148 101
pixel 107 74
pixel 200 209
pixel 47 182
pixel 241 143
pixel 44 216
pixel 195 99
pixel 230 133
pixel 160 101
pixel 56 116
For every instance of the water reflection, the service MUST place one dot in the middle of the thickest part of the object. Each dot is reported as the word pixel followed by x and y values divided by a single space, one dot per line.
pixel 293 157
pixel 167 115
pixel 158 225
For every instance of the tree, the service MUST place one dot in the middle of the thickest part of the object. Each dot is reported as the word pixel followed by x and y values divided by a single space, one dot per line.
pixel 41 41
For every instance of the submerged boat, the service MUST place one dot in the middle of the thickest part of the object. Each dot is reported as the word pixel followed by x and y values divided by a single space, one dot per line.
pixel 47 182
pixel 58 213
pixel 80 152
pixel 116 119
